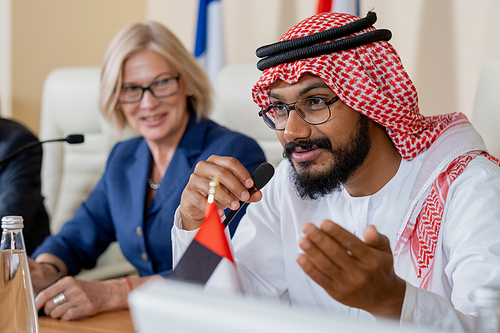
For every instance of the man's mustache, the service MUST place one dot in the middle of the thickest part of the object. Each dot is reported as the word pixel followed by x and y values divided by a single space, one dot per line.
pixel 321 143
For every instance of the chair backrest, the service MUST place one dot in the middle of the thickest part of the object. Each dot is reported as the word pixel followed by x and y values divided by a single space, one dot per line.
pixel 69 172
pixel 486 114
pixel 235 109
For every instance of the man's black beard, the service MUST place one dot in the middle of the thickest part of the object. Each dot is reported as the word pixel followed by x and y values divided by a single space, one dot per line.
pixel 346 159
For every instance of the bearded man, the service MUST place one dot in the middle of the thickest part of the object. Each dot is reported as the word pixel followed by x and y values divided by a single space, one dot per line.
pixel 377 210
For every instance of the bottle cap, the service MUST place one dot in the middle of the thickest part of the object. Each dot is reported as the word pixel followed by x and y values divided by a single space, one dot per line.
pixel 12 222
pixel 486 296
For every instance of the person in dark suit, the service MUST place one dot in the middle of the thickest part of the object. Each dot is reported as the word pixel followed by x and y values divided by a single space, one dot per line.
pixel 150 82
pixel 20 186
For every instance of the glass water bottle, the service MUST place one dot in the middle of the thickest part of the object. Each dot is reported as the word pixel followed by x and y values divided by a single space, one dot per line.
pixel 487 301
pixel 17 303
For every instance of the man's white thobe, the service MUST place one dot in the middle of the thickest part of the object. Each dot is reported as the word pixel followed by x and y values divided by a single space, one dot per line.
pixel 467 253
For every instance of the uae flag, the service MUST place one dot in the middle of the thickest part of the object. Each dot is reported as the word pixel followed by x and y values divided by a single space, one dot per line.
pixel 208 260
pixel 339 6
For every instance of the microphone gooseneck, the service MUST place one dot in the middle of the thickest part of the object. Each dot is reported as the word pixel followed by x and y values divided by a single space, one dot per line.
pixel 261 177
pixel 71 139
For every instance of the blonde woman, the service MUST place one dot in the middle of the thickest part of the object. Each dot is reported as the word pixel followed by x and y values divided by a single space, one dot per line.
pixel 152 83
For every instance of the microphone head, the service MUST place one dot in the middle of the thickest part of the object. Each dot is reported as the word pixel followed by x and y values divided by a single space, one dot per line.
pixel 75 138
pixel 263 175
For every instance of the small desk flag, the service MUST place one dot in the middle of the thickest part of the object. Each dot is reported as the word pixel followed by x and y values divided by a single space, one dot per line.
pixel 208 260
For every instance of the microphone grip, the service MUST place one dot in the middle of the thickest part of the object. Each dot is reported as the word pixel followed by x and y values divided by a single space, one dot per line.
pixel 233 213
pixel 261 177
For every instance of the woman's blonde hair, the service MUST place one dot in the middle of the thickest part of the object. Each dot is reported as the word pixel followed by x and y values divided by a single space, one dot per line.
pixel 137 37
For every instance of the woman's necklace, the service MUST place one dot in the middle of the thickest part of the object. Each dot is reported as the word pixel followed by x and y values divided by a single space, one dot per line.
pixel 152 185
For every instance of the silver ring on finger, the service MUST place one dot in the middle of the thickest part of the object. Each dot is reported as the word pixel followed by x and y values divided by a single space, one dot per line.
pixel 60 299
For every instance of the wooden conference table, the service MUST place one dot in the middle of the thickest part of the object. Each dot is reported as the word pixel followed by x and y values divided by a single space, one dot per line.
pixel 107 322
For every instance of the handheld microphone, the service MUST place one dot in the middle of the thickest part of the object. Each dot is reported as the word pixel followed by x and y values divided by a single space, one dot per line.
pixel 71 139
pixel 261 177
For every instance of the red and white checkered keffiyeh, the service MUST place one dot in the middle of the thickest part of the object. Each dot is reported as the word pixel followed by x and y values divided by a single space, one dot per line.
pixel 371 79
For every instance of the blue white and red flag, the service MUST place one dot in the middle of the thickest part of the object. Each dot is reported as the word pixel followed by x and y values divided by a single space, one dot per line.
pixel 209 46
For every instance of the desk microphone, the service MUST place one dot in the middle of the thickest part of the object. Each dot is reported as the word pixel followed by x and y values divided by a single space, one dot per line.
pixel 261 177
pixel 72 139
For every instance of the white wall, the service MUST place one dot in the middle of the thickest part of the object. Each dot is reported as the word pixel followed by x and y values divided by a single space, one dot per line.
pixel 444 45
pixel 55 33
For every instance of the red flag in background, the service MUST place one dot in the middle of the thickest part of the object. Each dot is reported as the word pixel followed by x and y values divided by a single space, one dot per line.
pixel 341 6
pixel 324 6
pixel 208 259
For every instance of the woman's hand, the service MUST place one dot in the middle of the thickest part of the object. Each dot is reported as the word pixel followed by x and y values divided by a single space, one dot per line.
pixel 82 298
pixel 44 274
pixel 234 182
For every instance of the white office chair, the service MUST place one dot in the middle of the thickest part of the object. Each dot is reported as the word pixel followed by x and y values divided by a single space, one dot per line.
pixel 486 114
pixel 70 172
pixel 235 109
